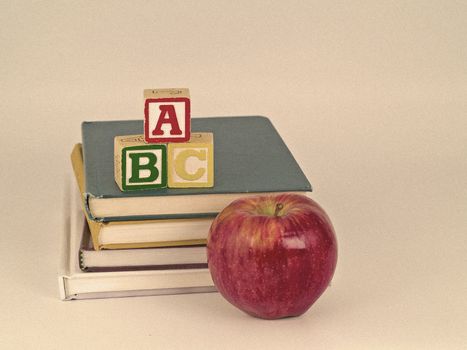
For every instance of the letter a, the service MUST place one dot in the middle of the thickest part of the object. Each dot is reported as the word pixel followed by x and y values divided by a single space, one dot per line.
pixel 167 116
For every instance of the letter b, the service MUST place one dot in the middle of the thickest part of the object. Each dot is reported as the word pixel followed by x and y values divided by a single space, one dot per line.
pixel 139 166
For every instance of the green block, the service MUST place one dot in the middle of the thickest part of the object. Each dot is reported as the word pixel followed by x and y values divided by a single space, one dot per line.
pixel 144 167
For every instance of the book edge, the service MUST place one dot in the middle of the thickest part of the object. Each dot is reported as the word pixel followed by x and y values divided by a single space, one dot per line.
pixel 103 217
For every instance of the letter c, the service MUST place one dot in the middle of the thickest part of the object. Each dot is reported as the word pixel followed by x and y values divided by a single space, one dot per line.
pixel 180 162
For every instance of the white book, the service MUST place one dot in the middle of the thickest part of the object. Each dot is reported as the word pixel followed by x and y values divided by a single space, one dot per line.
pixel 76 284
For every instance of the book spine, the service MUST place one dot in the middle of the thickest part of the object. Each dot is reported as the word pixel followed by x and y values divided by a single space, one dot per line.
pixel 82 263
pixel 62 287
pixel 86 200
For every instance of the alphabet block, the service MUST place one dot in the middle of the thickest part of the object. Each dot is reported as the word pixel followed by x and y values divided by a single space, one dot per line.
pixel 191 164
pixel 167 115
pixel 138 165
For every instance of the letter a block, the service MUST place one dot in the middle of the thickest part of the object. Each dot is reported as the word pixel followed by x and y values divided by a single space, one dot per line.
pixel 167 115
pixel 191 164
pixel 138 165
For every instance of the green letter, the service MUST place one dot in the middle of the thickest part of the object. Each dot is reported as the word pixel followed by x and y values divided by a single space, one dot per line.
pixel 136 167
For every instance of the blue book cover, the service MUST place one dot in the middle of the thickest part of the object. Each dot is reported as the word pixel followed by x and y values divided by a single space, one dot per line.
pixel 249 157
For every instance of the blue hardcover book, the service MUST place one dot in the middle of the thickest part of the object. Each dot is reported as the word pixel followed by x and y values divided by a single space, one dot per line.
pixel 250 158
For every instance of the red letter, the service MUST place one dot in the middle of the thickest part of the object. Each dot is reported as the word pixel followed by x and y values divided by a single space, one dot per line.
pixel 167 115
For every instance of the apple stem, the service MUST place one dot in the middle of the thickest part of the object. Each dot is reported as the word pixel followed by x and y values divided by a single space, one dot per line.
pixel 279 206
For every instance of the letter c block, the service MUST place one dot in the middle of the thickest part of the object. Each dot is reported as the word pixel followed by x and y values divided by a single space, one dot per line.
pixel 139 166
pixel 191 164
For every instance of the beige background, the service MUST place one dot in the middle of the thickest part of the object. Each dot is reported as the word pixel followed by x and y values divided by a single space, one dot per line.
pixel 370 96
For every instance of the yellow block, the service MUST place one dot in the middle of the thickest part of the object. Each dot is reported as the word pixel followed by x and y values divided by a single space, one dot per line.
pixel 191 164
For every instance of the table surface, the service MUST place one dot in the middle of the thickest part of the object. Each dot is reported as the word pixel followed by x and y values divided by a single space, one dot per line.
pixel 369 96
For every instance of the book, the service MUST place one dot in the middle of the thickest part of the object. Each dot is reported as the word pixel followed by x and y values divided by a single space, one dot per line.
pixel 77 284
pixel 162 258
pixel 250 157
pixel 140 233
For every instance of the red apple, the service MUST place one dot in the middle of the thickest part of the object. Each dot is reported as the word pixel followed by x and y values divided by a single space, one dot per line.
pixel 272 256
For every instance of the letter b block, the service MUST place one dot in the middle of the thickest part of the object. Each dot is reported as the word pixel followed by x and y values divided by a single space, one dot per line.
pixel 191 164
pixel 167 115
pixel 139 166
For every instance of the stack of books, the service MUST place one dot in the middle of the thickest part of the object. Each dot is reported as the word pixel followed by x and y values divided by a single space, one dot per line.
pixel 152 242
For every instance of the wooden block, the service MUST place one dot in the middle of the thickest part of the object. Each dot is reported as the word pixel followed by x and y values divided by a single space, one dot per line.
pixel 138 165
pixel 191 164
pixel 167 115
